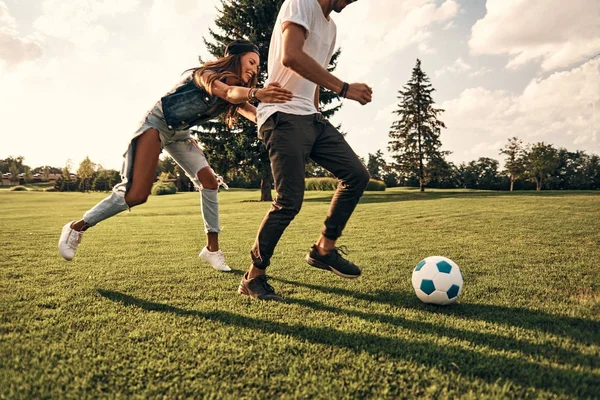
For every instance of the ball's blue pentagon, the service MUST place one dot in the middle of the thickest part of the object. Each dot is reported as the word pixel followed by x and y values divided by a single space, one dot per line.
pixel 420 265
pixel 427 286
pixel 444 267
pixel 453 291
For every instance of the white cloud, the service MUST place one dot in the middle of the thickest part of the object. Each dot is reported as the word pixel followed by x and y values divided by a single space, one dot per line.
pixel 556 32
pixel 78 21
pixel 387 115
pixel 13 48
pixel 481 71
pixel 386 29
pixel 560 109
pixel 457 67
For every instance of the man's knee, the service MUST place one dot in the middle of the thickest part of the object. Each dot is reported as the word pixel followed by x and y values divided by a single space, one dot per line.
pixel 290 203
pixel 359 178
pixel 364 177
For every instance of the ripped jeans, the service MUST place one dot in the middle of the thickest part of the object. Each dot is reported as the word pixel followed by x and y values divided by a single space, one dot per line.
pixel 184 150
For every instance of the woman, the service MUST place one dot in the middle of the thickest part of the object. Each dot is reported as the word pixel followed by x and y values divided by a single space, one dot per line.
pixel 222 86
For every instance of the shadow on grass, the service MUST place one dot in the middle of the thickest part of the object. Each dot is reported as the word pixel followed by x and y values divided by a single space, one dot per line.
pixel 470 363
pixel 411 195
pixel 578 329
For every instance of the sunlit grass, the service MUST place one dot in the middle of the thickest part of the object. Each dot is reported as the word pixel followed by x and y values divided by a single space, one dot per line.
pixel 136 314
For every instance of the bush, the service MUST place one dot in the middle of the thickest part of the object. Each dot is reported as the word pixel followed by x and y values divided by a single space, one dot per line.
pixel 321 183
pixel 159 188
pixel 332 183
pixel 19 189
pixel 375 186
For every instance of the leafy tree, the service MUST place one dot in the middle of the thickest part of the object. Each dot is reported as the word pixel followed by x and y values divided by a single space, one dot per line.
pixel 415 137
pixel 441 173
pixel 376 165
pixel 480 174
pixel 105 179
pixel 515 163
pixel 541 161
pixel 85 173
pixel 65 183
pixel 7 163
pixel 314 170
pixel 591 170
pixel 45 173
pixel 14 173
pixel 390 177
pixel 237 152
pixel 101 181
pixel 166 164
pixel 27 174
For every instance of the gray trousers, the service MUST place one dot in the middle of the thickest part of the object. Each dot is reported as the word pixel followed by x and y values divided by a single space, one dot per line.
pixel 291 140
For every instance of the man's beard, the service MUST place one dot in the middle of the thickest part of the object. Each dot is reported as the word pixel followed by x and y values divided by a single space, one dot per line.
pixel 336 6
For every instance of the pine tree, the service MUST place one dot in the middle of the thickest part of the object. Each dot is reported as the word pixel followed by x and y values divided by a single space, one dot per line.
pixel 415 138
pixel 237 152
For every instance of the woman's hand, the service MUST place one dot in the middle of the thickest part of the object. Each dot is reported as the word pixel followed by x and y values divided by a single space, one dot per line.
pixel 274 93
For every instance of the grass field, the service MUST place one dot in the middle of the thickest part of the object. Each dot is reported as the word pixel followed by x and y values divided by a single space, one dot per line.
pixel 137 315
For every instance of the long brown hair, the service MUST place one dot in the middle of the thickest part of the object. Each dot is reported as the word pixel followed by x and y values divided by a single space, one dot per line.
pixel 224 67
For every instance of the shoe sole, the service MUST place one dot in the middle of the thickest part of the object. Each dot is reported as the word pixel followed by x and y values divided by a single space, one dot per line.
pixel 318 264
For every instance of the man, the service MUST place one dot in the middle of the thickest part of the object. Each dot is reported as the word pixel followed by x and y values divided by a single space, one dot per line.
pixel 301 47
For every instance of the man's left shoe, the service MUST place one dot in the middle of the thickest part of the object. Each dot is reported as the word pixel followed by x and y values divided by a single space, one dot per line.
pixel 215 258
pixel 333 262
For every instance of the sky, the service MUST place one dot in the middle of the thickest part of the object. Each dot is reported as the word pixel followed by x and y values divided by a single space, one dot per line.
pixel 76 76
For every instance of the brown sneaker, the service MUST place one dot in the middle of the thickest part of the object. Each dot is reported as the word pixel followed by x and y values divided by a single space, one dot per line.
pixel 258 288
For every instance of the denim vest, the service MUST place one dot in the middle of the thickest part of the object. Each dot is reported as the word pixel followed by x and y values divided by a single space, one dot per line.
pixel 189 105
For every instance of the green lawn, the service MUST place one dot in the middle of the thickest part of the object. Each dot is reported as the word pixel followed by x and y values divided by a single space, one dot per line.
pixel 136 314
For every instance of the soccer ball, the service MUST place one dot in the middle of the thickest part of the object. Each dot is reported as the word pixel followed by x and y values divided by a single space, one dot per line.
pixel 437 280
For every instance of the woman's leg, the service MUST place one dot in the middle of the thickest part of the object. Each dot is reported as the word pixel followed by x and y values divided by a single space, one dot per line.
pixel 139 179
pixel 188 155
pixel 139 170
pixel 208 180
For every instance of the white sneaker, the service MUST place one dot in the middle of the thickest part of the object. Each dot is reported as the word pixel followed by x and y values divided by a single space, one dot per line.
pixel 215 258
pixel 68 242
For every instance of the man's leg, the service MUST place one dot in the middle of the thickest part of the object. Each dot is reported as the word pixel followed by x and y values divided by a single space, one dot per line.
pixel 333 153
pixel 288 139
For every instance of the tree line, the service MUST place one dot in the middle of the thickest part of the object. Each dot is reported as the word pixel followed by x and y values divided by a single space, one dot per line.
pixel 537 166
pixel 418 159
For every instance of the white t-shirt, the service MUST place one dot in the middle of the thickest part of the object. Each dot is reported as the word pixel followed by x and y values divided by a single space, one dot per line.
pixel 319 44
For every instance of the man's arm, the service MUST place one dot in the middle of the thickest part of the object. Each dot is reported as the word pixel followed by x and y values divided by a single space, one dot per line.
pixel 317 97
pixel 304 65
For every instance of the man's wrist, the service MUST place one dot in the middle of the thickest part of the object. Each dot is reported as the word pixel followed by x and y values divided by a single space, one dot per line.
pixel 344 92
